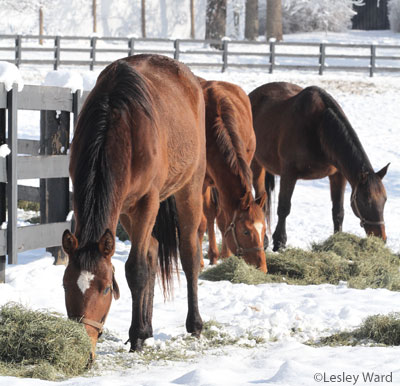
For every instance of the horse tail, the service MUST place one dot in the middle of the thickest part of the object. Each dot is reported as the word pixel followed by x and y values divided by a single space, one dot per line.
pixel 269 188
pixel 166 231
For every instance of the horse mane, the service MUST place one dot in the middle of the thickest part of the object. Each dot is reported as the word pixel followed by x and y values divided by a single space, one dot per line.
pixel 228 140
pixel 119 92
pixel 338 138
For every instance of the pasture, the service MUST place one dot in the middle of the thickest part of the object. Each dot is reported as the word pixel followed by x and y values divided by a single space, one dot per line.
pixel 263 328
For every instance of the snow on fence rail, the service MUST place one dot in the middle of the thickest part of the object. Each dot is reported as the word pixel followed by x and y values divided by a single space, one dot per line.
pixel 94 52
pixel 55 105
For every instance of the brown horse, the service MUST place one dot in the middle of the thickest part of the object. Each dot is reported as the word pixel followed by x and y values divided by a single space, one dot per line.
pixel 230 147
pixel 304 134
pixel 138 154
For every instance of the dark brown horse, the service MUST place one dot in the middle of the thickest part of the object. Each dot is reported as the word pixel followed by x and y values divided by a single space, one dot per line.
pixel 304 134
pixel 230 147
pixel 138 154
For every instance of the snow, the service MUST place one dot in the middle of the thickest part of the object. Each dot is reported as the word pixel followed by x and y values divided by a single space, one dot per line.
pixel 4 151
pixel 9 74
pixel 284 316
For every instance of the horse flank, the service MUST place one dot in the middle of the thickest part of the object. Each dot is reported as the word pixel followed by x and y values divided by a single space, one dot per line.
pixel 94 181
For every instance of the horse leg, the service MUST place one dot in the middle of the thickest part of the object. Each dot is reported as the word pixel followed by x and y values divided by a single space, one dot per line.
pixel 189 207
pixel 286 189
pixel 210 212
pixel 222 223
pixel 201 231
pixel 337 184
pixel 141 266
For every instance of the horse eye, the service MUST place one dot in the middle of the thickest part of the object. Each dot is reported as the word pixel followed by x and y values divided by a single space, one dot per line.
pixel 105 292
pixel 246 232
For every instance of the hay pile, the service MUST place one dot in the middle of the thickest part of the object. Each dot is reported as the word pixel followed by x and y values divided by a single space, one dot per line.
pixel 377 329
pixel 40 344
pixel 361 262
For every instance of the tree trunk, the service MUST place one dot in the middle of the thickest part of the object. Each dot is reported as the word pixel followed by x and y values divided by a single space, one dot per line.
pixel 94 11
pixel 144 18
pixel 41 24
pixel 192 20
pixel 251 21
pixel 274 19
pixel 215 19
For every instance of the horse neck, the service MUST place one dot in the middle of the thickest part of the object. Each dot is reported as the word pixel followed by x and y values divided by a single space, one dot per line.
pixel 342 146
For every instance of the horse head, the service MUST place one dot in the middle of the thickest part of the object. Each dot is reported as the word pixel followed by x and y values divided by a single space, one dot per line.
pixel 368 200
pixel 245 233
pixel 89 282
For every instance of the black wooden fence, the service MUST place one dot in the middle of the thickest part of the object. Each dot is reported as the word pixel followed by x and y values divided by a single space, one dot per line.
pixel 92 52
pixel 46 159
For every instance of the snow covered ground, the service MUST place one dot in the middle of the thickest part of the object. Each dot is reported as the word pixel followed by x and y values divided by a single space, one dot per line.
pixel 283 316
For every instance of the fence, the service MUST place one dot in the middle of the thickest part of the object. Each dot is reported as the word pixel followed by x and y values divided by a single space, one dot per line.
pixel 46 159
pixel 92 52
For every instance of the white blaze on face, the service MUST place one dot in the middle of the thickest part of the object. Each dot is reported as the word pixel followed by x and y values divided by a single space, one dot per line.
pixel 84 280
pixel 259 228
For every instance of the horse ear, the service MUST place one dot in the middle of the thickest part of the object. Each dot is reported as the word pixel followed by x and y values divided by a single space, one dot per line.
pixel 107 244
pixel 246 200
pixel 383 171
pixel 261 200
pixel 69 242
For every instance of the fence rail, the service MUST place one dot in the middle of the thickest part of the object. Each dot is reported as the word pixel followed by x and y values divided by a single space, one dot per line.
pixel 46 160
pixel 92 52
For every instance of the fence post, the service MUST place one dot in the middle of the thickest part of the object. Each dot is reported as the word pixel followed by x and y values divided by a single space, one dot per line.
pixel 373 59
pixel 225 55
pixel 176 46
pixel 93 43
pixel 321 58
pixel 12 182
pixel 271 56
pixel 2 194
pixel 54 192
pixel 56 52
pixel 131 45
pixel 18 43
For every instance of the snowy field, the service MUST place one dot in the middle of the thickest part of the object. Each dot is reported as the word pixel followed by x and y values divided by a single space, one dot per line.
pixel 283 316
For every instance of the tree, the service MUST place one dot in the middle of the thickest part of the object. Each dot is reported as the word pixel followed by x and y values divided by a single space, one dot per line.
pixel 215 19
pixel 144 18
pixel 274 19
pixel 94 13
pixel 192 22
pixel 251 20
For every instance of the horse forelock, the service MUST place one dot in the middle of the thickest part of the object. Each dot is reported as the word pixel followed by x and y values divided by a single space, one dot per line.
pixel 229 142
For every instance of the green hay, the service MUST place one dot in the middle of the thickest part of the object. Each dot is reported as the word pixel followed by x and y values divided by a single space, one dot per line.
pixel 41 344
pixel 361 262
pixel 376 329
pixel 234 270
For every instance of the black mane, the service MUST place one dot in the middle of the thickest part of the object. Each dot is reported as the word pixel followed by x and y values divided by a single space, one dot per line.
pixel 120 92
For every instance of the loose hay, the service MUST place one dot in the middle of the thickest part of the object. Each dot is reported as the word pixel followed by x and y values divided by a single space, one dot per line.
pixel 376 329
pixel 361 262
pixel 41 344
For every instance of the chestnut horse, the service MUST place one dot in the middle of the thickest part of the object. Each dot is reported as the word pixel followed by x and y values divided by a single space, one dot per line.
pixel 230 147
pixel 138 154
pixel 304 134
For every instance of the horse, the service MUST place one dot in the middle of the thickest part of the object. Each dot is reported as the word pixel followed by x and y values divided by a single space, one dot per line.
pixel 138 155
pixel 230 147
pixel 304 134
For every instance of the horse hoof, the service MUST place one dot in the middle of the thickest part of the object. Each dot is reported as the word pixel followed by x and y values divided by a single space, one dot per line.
pixel 137 345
